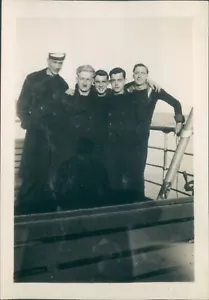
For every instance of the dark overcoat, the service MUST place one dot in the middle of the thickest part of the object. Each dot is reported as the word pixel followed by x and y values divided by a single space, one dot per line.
pixel 39 108
pixel 85 118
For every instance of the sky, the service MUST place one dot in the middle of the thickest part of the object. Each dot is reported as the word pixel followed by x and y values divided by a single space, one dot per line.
pixel 163 44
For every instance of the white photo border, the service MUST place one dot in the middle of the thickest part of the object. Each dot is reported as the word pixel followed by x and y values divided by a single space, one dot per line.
pixel 13 9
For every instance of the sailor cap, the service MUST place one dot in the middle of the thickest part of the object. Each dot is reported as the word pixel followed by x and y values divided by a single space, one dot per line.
pixel 57 56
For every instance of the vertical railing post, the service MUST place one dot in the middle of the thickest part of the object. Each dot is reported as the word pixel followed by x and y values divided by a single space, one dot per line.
pixel 165 153
pixel 175 163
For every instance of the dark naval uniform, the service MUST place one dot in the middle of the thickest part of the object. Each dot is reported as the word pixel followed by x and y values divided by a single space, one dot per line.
pixel 81 181
pixel 88 122
pixel 39 108
pixel 123 149
pixel 146 101
pixel 148 98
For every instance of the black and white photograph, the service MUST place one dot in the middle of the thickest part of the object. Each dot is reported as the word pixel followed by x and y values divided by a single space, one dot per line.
pixel 103 177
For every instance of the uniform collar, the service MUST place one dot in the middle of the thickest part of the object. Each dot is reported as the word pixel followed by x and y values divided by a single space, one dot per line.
pixel 134 87
pixel 46 70
pixel 140 87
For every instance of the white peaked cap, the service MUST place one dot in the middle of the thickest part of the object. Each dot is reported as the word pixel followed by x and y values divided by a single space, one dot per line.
pixel 57 55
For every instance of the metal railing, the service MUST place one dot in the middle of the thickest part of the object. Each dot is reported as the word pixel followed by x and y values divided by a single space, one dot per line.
pixel 166 130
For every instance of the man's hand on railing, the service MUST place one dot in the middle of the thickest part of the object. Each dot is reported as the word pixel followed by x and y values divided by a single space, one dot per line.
pixel 178 128
pixel 189 185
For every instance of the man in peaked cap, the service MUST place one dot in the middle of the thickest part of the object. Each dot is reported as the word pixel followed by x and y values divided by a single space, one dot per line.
pixel 38 107
pixel 55 62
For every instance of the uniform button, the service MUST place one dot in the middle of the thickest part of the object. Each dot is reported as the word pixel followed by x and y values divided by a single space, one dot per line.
pixel 90 117
pixel 41 107
pixel 110 114
pixel 110 133
pixel 78 125
pixel 110 124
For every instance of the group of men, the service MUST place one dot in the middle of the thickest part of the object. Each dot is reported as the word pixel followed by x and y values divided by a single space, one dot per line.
pixel 87 146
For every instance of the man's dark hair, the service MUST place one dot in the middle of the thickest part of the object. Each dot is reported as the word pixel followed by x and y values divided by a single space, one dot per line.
pixel 140 65
pixel 117 71
pixel 102 73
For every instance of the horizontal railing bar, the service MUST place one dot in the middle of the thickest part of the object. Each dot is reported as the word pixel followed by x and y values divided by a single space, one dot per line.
pixel 189 174
pixel 166 169
pixel 150 181
pixel 164 129
pixel 168 150
pixel 189 154
pixel 178 191
pixel 156 148
pixel 147 164
pixel 185 153
pixel 156 166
